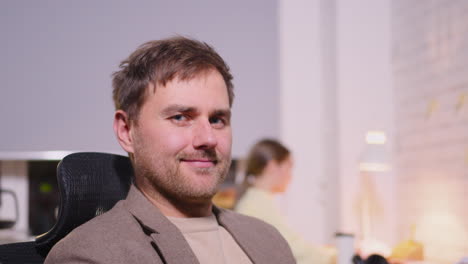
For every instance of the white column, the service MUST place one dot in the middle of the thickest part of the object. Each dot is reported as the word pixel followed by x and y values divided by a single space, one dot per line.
pixel 305 104
pixel 365 100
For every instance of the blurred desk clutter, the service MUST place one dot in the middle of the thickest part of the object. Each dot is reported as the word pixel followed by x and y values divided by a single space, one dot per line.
pixel 6 223
pixel 408 250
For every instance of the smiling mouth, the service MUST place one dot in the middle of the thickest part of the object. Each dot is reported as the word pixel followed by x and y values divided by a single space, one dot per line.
pixel 199 163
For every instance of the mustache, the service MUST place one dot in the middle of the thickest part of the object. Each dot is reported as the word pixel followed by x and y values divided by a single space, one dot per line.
pixel 202 154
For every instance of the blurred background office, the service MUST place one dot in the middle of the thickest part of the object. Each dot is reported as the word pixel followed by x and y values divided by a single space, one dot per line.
pixel 338 81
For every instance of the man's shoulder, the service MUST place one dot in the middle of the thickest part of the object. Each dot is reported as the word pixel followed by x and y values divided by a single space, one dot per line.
pixel 94 237
pixel 99 227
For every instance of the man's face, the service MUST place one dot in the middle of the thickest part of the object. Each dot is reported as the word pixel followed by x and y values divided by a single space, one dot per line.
pixel 182 139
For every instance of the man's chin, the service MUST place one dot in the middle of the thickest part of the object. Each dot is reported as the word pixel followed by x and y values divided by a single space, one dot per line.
pixel 198 187
pixel 204 192
pixel 202 179
pixel 199 197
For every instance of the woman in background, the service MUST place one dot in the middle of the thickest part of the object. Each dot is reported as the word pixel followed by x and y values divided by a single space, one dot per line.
pixel 268 172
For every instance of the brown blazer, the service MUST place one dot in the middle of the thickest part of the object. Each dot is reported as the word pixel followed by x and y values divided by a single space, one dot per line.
pixel 134 231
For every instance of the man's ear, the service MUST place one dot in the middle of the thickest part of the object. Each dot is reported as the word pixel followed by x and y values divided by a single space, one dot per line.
pixel 122 130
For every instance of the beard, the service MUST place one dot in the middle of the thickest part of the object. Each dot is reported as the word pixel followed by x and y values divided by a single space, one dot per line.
pixel 169 178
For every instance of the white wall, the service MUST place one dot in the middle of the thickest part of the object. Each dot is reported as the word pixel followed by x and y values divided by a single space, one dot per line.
pixel 365 102
pixel 335 85
pixel 58 56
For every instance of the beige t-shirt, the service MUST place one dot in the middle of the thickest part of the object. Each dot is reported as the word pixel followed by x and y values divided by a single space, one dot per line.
pixel 210 242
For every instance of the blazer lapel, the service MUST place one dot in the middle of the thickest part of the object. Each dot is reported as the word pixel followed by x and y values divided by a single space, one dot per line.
pixel 169 241
pixel 246 237
pixel 174 248
pixel 261 242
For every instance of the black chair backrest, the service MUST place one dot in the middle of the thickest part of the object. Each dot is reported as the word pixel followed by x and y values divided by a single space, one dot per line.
pixel 22 252
pixel 89 185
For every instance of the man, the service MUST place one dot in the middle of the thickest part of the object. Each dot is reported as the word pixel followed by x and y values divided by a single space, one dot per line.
pixel 173 99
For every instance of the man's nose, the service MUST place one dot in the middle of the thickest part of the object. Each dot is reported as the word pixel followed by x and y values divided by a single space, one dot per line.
pixel 204 136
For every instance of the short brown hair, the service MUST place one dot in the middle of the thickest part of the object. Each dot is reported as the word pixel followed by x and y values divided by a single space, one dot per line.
pixel 159 62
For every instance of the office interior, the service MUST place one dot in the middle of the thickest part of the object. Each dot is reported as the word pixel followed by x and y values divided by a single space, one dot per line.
pixel 370 96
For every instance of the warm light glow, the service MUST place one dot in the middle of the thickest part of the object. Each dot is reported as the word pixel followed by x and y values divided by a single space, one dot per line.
pixel 441 228
pixel 370 166
pixel 376 137
pixel 368 247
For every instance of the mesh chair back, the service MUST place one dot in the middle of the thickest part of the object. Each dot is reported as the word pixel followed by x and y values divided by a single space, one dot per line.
pixel 89 185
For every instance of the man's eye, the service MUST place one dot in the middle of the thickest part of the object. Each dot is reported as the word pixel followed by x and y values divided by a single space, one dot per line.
pixel 217 121
pixel 179 118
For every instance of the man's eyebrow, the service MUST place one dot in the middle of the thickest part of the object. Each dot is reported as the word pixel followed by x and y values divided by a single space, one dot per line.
pixel 171 109
pixel 223 112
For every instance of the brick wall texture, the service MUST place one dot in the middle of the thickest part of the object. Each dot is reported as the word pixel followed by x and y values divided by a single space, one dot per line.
pixel 430 70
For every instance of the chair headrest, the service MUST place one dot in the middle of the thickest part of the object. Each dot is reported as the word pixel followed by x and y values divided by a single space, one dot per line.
pixel 89 184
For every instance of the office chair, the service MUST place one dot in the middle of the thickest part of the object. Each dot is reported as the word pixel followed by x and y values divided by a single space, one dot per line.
pixel 89 185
